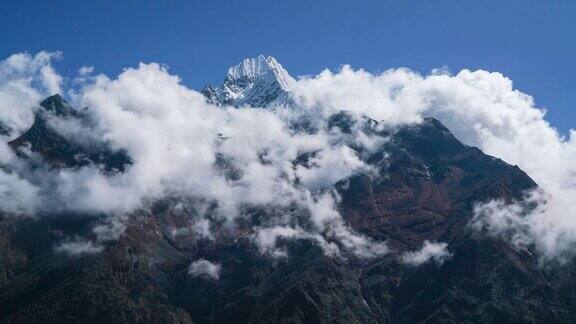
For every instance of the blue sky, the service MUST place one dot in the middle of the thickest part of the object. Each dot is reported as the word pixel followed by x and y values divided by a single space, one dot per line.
pixel 532 42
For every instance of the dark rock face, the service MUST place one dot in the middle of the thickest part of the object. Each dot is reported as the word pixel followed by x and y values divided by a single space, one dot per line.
pixel 428 184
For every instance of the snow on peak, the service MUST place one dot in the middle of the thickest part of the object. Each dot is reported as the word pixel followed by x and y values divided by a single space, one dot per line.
pixel 255 82
pixel 251 69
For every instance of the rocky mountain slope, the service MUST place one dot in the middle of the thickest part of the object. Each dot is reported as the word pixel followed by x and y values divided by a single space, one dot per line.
pixel 432 181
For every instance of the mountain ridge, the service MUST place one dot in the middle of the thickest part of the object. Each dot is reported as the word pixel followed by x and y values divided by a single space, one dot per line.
pixel 427 185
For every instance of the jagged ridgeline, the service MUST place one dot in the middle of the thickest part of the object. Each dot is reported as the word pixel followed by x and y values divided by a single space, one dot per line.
pixel 59 151
pixel 424 191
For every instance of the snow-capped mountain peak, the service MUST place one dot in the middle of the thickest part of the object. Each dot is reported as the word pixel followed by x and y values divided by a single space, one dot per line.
pixel 255 82
pixel 259 67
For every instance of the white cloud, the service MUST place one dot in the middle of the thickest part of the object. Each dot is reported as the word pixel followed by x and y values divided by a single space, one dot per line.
pixel 331 234
pixel 79 247
pixel 24 81
pixel 17 195
pixel 85 70
pixel 204 269
pixel 175 139
pixel 541 220
pixel 437 252
pixel 482 109
pixel 388 96
pixel 268 239
pixel 329 167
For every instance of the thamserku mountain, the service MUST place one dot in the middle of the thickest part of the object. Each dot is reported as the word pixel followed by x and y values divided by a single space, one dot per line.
pixel 408 251
pixel 256 82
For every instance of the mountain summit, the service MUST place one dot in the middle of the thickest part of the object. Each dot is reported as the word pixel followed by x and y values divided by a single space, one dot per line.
pixel 255 82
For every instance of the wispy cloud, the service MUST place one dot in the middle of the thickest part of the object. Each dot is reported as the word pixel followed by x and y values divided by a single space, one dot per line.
pixel 204 269
pixel 430 251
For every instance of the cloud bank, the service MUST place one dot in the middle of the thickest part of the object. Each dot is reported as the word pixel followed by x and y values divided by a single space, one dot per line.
pixel 183 147
pixel 482 109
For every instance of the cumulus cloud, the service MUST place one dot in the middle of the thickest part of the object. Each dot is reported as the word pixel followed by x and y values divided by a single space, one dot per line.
pixel 482 109
pixel 204 269
pixel 387 97
pixel 437 252
pixel 182 146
